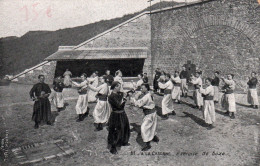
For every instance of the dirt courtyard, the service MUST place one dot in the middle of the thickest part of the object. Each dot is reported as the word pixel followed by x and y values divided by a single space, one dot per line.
pixel 184 139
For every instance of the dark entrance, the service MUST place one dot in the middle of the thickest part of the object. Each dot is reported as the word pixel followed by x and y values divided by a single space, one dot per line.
pixel 190 68
pixel 129 67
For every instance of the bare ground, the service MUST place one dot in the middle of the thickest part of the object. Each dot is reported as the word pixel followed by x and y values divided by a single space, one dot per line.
pixel 184 140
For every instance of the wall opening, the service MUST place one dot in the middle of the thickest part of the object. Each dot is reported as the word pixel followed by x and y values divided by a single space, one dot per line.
pixel 129 67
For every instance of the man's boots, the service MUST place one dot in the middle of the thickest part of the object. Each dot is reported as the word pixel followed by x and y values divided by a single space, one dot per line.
pixel 36 126
pixel 146 147
pixel 155 139
pixel 80 118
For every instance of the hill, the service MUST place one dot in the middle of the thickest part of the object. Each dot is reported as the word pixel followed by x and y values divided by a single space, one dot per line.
pixel 18 54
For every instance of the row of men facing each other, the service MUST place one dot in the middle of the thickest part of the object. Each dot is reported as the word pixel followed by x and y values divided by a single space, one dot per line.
pixel 176 86
pixel 118 75
pixel 109 109
pixel 102 111
pixel 185 79
pixel 179 87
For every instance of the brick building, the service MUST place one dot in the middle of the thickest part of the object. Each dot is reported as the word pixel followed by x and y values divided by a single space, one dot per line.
pixel 213 34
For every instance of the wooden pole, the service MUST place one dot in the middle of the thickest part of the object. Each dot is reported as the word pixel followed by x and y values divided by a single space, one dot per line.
pixel 160 5
pixel 150 6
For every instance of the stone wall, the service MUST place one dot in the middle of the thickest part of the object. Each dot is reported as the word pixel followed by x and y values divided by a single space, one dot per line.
pixel 136 33
pixel 31 77
pixel 215 35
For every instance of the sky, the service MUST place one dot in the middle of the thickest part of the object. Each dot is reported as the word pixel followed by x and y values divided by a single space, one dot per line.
pixel 20 16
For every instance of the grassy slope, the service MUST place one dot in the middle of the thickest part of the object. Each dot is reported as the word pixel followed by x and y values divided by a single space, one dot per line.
pixel 18 54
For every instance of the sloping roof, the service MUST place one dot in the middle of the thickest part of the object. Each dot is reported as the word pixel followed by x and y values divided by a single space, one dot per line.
pixel 30 69
pixel 180 5
pixel 99 53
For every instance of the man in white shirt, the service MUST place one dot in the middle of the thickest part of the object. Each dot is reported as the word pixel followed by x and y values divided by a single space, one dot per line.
pixel 82 103
pixel 228 100
pixel 148 127
pixel 176 92
pixel 118 77
pixel 167 102
pixel 209 107
pixel 197 97
pixel 102 109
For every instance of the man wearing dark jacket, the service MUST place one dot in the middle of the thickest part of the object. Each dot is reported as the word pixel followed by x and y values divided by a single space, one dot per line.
pixel 42 107
pixel 155 81
pixel 109 78
pixel 184 77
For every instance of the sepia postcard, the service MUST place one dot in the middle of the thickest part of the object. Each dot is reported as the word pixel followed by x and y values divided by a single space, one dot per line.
pixel 129 82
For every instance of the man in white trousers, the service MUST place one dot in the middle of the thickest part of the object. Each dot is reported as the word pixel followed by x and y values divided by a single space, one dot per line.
pixel 208 107
pixel 167 101
pixel 82 103
pixel 148 127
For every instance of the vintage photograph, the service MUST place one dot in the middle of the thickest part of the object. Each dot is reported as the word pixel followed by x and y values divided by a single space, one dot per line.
pixel 129 82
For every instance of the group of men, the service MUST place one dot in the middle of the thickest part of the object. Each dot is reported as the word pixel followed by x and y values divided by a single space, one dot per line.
pixel 205 96
pixel 111 98
pixel 104 109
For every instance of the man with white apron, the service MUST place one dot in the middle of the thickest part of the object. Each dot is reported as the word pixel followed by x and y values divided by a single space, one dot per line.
pixel 102 109
pixel 167 102
pixel 208 107
pixel 118 78
pixel 176 92
pixel 57 95
pixel 82 103
pixel 252 97
pixel 228 100
pixel 197 97
pixel 148 127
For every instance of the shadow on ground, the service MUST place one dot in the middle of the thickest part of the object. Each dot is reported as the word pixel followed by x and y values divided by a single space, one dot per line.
pixel 220 112
pixel 54 116
pixel 188 104
pixel 196 119
pixel 244 105
pixel 137 129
